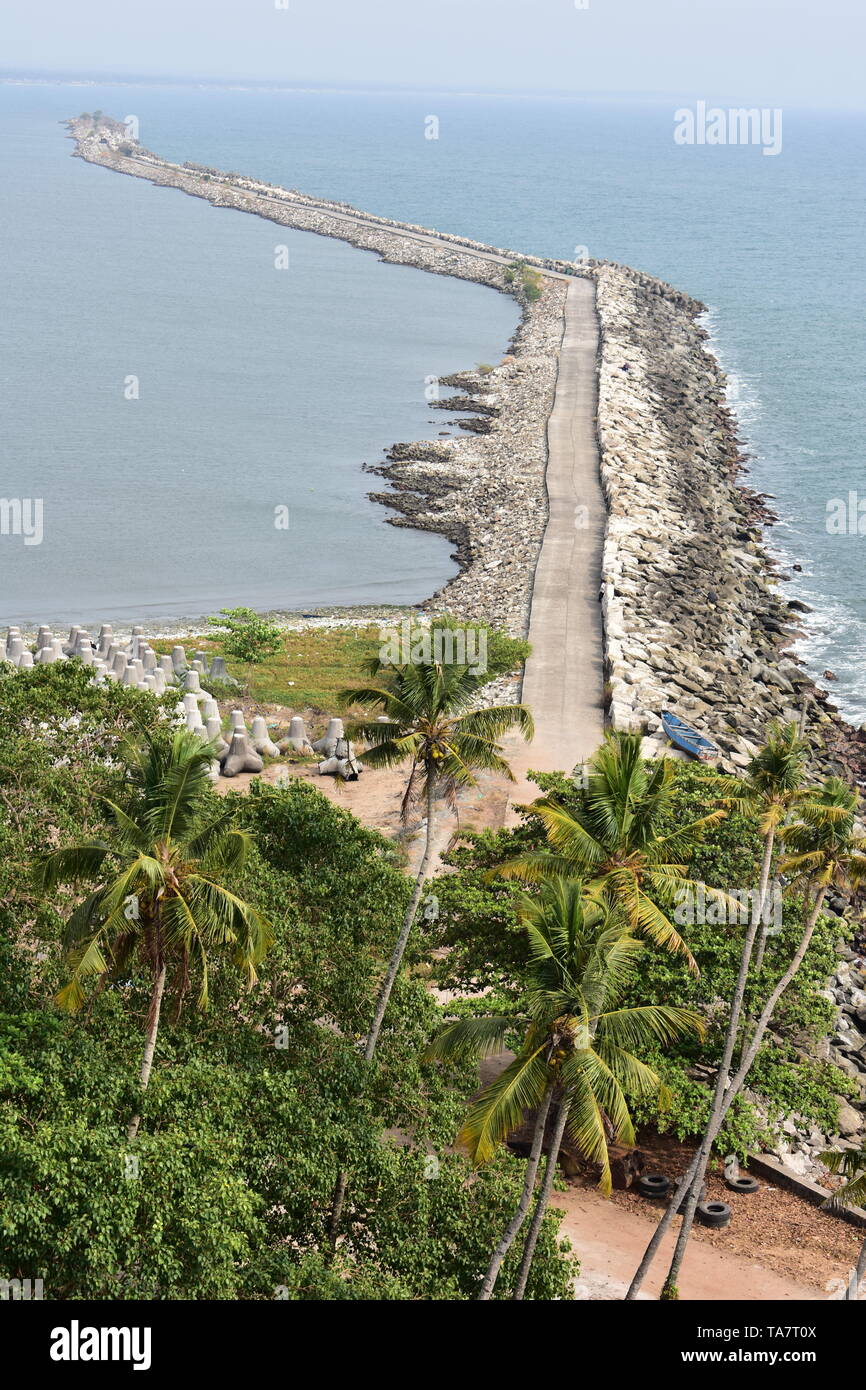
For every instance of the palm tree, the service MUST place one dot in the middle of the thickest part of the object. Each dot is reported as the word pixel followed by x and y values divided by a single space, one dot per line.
pixel 822 851
pixel 578 1049
pixel 429 720
pixel 771 789
pixel 158 893
pixel 613 842
pixel 852 1165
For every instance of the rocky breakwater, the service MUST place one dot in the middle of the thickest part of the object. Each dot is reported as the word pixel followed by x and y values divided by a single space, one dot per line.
pixel 694 617
pixel 486 491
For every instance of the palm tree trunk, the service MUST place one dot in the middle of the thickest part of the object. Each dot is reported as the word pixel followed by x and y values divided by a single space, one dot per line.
pixel 514 1225
pixel 695 1173
pixel 723 1077
pixel 691 1181
pixel 400 947
pixel 337 1201
pixel 762 895
pixel 149 1044
pixel 859 1275
pixel 385 989
pixel 541 1202
pixel 737 1083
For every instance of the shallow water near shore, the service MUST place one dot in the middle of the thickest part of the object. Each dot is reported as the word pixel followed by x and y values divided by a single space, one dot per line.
pixel 772 244
pixel 195 419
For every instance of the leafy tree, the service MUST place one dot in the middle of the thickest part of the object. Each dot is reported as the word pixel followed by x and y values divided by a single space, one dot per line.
pixel 158 892
pixel 246 636
pixel 226 1193
pixel 577 1050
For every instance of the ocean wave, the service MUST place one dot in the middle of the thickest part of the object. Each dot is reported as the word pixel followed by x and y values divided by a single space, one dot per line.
pixel 833 634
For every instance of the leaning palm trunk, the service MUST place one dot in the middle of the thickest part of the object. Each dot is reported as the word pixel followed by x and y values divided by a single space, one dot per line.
pixel 149 1045
pixel 690 1182
pixel 696 1170
pixel 541 1201
pixel 488 1283
pixel 339 1197
pixel 408 920
pixel 761 945
pixel 723 1075
pixel 762 896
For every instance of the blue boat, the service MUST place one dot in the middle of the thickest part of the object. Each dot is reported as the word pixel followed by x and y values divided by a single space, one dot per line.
pixel 682 735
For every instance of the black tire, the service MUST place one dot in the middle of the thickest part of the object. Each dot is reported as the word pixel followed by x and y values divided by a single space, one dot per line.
pixel 743 1185
pixel 702 1197
pixel 653 1185
pixel 714 1214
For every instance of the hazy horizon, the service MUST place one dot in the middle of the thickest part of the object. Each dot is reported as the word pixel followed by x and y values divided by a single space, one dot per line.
pixel 743 53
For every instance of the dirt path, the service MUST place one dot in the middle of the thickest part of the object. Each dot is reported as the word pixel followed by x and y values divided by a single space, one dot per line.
pixel 563 682
pixel 610 1241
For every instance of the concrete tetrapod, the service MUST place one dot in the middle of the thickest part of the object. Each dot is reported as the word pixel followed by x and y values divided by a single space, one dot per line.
pixel 261 739
pixel 327 745
pixel 242 757
pixel 296 739
pixel 215 734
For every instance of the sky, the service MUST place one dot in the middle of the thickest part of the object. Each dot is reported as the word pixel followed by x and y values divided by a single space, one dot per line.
pixel 750 52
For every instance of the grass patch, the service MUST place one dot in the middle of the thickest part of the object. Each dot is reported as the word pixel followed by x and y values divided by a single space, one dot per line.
pixel 312 665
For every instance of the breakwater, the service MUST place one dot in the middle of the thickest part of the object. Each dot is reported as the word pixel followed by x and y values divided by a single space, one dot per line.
pixel 694 614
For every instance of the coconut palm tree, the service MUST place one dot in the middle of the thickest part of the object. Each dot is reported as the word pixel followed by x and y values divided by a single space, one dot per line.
pixel 613 841
pixel 577 1053
pixel 773 787
pixel 822 851
pixel 429 720
pixel 159 894
pixel 852 1165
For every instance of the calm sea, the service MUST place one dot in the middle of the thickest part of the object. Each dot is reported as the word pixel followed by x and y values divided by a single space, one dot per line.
pixel 260 388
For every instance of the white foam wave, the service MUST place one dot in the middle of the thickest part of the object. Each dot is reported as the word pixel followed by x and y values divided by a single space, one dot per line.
pixel 834 636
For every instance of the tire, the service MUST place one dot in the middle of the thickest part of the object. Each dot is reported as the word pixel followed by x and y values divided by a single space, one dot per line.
pixel 743 1185
pixel 653 1185
pixel 714 1214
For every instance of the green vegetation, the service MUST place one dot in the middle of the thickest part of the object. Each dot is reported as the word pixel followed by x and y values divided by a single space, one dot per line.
pixel 246 636
pixel 280 1139
pixel 578 1045
pixel 852 1166
pixel 254 1103
pixel 310 667
pixel 526 281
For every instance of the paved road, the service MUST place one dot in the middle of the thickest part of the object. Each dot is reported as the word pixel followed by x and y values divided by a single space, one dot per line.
pixel 564 675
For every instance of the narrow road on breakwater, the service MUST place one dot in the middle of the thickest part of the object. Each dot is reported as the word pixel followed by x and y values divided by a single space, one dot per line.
pixel 564 677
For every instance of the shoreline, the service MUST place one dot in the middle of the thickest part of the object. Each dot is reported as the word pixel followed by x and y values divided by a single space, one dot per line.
pixel 684 565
